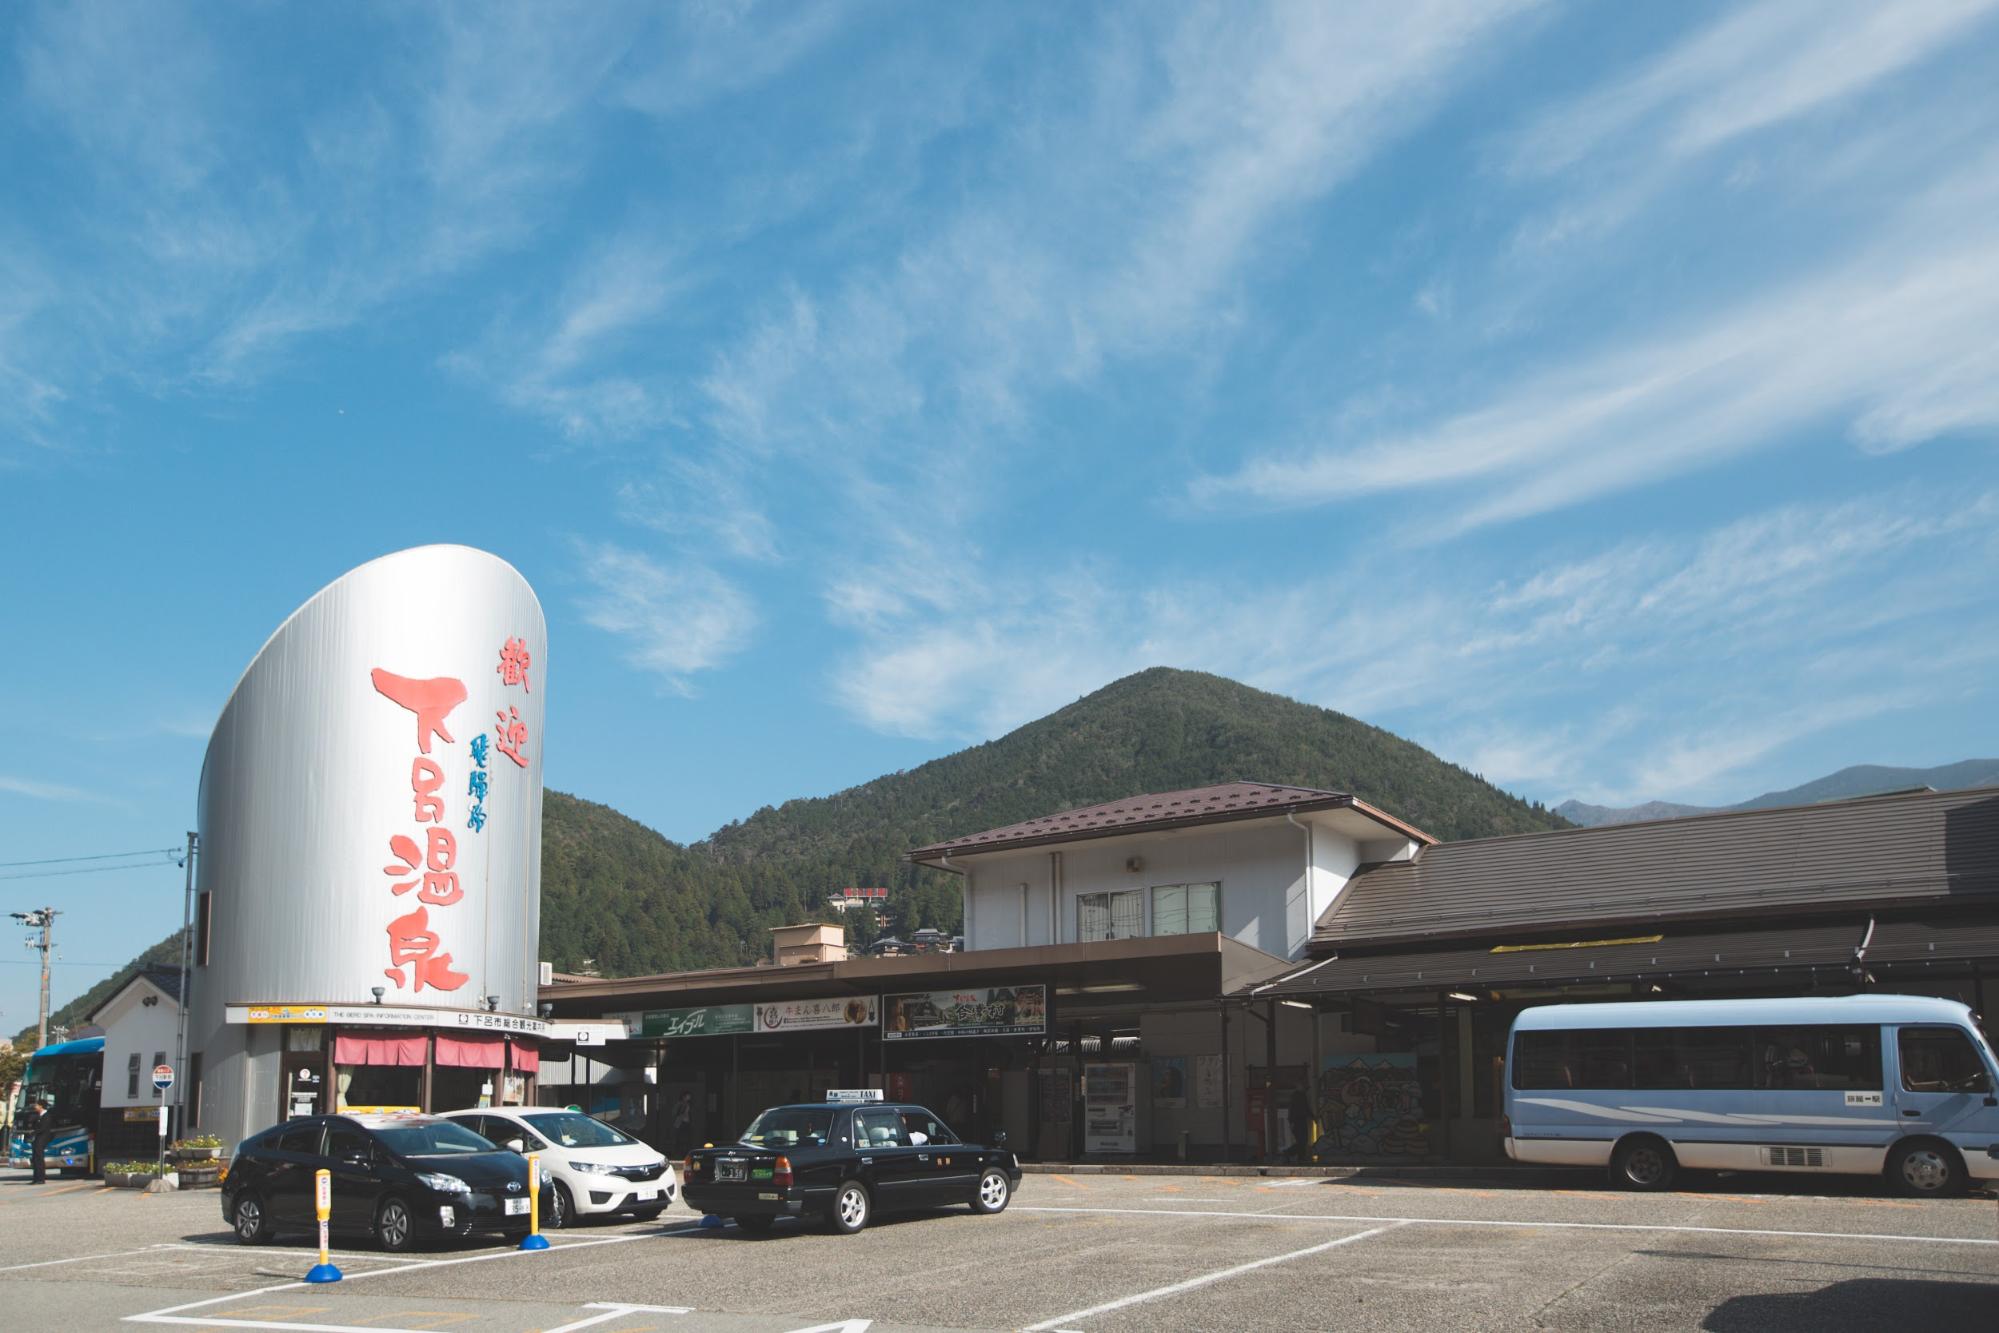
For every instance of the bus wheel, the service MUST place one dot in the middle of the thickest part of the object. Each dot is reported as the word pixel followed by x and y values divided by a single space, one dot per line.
pixel 1925 1168
pixel 1643 1162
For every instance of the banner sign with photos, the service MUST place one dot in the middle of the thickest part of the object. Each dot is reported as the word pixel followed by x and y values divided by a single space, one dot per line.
pixel 841 1011
pixel 974 1011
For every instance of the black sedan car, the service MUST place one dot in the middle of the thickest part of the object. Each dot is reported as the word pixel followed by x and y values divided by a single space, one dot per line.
pixel 844 1162
pixel 400 1179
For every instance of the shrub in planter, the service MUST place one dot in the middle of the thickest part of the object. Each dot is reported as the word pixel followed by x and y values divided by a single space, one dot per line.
pixel 131 1175
pixel 196 1147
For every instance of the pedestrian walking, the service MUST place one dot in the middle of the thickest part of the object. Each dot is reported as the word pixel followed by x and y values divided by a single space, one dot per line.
pixel 683 1125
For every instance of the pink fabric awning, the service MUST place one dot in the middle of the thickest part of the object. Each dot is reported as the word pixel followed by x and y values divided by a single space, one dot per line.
pixel 376 1048
pixel 526 1056
pixel 480 1052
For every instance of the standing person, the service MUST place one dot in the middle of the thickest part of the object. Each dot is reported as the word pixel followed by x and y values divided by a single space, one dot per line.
pixel 683 1124
pixel 1300 1111
pixel 38 1124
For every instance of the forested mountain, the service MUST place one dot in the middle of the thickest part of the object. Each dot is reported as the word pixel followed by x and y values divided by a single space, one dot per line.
pixel 628 900
pixel 647 904
pixel 1857 780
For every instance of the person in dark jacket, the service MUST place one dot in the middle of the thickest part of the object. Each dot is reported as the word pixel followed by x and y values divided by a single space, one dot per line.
pixel 38 1124
pixel 1300 1113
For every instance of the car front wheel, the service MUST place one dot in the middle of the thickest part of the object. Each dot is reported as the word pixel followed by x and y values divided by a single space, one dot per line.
pixel 994 1193
pixel 851 1207
pixel 561 1207
pixel 395 1229
pixel 252 1227
pixel 1925 1168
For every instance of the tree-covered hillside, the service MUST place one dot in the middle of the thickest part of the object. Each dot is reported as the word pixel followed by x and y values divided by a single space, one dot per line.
pixel 649 904
pixel 628 900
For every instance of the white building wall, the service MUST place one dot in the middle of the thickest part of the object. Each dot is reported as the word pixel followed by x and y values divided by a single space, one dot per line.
pixel 131 1027
pixel 1268 899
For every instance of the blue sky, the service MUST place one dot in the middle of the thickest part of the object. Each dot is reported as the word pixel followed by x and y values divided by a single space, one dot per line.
pixel 1602 396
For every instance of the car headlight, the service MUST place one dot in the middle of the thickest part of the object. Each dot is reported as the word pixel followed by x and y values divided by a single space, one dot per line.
pixel 593 1168
pixel 437 1180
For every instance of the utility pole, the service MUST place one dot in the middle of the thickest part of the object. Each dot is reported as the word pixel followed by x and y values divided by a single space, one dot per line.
pixel 186 989
pixel 44 920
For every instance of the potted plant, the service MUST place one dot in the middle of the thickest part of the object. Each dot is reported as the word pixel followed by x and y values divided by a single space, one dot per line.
pixel 131 1175
pixel 197 1147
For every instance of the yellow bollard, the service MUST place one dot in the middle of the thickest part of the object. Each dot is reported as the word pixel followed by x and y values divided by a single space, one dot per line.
pixel 534 1240
pixel 322 1205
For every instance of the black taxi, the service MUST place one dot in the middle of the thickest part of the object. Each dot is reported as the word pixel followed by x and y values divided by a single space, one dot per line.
pixel 843 1160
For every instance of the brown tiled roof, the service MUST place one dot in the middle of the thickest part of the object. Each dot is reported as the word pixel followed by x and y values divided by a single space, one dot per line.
pixel 1164 810
pixel 1902 850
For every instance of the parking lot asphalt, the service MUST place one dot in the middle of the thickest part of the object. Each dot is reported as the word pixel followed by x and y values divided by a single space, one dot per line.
pixel 1073 1252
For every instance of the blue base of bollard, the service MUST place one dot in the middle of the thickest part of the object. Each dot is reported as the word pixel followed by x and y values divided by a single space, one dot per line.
pixel 710 1220
pixel 534 1240
pixel 323 1273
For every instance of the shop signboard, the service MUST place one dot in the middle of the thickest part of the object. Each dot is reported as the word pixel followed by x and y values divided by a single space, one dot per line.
pixel 1208 1081
pixel 383 1016
pixel 973 1011
pixel 714 1020
pixel 839 1011
pixel 1169 1082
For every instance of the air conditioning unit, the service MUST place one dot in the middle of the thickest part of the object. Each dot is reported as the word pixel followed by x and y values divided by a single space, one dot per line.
pixel 1134 864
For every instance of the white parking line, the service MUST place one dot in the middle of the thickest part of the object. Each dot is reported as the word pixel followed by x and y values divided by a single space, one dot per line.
pixel 80 1258
pixel 173 1314
pixel 1158 1292
pixel 1525 1225
pixel 614 1311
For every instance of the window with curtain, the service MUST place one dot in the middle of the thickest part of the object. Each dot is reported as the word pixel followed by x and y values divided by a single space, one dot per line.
pixel 1186 909
pixel 1110 916
pixel 132 1078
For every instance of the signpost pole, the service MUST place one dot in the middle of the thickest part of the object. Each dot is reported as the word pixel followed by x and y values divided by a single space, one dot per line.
pixel 163 1078
pixel 322 1205
pixel 534 1240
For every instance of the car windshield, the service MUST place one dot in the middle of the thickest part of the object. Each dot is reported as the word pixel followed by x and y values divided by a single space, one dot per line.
pixel 569 1129
pixel 790 1127
pixel 439 1138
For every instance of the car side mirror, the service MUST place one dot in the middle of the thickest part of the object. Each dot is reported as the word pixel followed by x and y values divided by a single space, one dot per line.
pixel 516 1145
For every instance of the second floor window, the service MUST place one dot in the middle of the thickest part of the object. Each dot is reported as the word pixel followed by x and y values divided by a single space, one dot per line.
pixel 1186 909
pixel 1110 916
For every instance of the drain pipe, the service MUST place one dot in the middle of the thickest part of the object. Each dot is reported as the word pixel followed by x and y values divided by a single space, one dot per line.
pixel 1311 865
pixel 1054 897
pixel 966 924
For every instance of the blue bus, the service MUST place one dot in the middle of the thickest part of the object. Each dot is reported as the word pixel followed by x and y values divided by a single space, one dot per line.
pixel 1894 1085
pixel 70 1075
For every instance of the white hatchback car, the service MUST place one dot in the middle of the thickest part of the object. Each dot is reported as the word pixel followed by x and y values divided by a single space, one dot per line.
pixel 597 1169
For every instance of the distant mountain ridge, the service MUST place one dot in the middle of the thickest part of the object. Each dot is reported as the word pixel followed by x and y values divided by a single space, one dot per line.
pixel 628 900
pixel 1859 780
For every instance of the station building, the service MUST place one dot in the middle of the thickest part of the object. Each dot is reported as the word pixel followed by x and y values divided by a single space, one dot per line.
pixel 1185 973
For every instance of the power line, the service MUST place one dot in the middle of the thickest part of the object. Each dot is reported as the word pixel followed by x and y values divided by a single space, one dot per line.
pixel 105 856
pixel 83 870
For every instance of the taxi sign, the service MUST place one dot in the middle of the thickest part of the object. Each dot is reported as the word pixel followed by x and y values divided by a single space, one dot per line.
pixel 163 1077
pixel 853 1094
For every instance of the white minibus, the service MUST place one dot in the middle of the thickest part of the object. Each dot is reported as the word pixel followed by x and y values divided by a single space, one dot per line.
pixel 1862 1084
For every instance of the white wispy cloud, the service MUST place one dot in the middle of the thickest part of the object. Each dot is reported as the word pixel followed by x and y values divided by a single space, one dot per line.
pixel 1753 68
pixel 677 618
pixel 1897 343
pixel 47 791
pixel 1623 640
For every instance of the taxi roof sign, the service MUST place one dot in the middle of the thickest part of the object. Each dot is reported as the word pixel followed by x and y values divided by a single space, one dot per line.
pixel 853 1094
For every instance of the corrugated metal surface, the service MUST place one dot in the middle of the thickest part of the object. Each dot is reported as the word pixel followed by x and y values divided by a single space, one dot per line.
pixel 1153 810
pixel 1880 850
pixel 1725 952
pixel 312 771
pixel 1934 939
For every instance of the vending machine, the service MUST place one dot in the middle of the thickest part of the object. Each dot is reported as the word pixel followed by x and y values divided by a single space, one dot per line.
pixel 1110 1108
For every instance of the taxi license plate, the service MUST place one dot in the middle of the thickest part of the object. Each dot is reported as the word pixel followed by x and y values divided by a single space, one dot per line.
pixel 731 1171
pixel 516 1206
